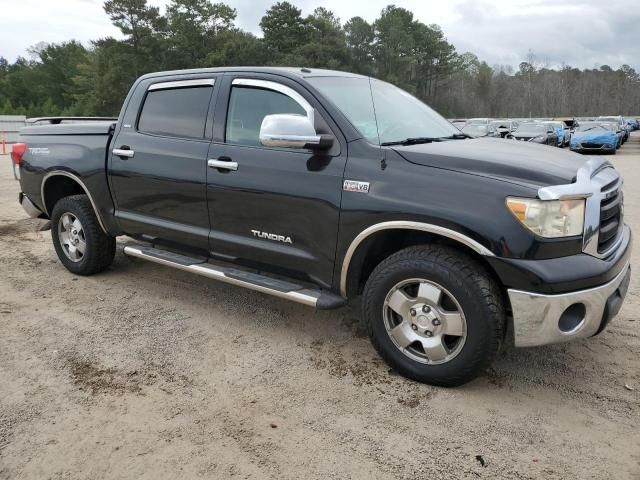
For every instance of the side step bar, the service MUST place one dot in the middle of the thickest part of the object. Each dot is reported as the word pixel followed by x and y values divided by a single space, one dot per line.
pixel 319 299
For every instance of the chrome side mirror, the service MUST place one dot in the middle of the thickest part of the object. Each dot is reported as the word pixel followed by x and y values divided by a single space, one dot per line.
pixel 285 130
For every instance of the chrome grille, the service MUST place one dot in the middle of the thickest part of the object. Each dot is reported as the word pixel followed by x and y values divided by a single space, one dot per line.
pixel 610 227
pixel 601 186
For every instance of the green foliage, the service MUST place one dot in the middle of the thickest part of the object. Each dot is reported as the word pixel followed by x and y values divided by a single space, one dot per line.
pixel 235 47
pixel 192 29
pixel 284 29
pixel 359 38
pixel 71 79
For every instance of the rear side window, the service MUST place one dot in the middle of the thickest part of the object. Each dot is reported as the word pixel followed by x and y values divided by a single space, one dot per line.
pixel 178 112
pixel 247 108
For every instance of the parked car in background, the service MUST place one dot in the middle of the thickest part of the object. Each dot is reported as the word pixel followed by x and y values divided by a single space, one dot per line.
pixel 535 132
pixel 591 137
pixel 614 127
pixel 477 130
pixel 502 127
pixel 570 122
pixel 479 121
pixel 632 123
pixel 620 121
pixel 458 122
pixel 563 132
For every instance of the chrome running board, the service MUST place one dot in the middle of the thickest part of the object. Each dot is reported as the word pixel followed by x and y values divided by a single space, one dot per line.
pixel 319 299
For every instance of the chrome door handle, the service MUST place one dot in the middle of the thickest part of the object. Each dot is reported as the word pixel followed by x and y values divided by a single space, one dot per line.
pixel 123 153
pixel 224 164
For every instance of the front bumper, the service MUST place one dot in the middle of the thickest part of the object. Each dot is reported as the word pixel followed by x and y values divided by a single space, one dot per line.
pixel 29 206
pixel 540 319
pixel 605 147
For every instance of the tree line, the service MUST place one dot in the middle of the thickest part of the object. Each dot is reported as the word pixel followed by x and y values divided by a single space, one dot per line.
pixel 71 79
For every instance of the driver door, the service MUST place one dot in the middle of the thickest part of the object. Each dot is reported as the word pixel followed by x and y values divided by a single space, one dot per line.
pixel 275 209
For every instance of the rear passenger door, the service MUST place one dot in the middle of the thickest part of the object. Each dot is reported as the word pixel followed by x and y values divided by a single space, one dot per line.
pixel 158 162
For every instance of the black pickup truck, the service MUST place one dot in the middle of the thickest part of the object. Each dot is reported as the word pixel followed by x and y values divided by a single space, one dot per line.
pixel 320 186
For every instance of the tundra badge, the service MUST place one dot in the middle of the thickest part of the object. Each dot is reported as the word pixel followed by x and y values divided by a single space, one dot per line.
pixel 271 236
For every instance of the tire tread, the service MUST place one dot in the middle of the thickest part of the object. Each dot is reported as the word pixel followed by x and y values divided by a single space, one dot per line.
pixel 461 269
pixel 102 246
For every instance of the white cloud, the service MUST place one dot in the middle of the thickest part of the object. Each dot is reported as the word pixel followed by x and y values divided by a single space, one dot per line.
pixel 585 33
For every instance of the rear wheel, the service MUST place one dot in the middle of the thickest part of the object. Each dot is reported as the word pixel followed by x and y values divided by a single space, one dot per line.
pixel 434 314
pixel 81 244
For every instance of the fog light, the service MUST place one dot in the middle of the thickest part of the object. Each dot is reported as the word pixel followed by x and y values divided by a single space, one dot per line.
pixel 572 317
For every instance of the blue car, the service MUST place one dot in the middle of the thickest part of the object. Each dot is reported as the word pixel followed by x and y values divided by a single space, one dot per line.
pixel 620 121
pixel 590 137
pixel 561 131
pixel 632 123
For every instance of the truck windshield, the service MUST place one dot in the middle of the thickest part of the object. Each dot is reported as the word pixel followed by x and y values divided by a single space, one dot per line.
pixel 381 112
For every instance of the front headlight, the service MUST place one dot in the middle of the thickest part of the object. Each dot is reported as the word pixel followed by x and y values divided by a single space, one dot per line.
pixel 549 218
pixel 539 138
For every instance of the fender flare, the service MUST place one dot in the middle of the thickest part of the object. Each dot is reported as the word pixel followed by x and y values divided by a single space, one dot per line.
pixel 63 173
pixel 405 225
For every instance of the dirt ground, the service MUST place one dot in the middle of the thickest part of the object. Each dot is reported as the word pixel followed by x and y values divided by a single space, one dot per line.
pixel 146 372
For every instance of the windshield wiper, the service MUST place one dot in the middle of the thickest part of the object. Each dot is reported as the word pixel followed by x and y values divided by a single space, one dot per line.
pixel 418 140
pixel 412 141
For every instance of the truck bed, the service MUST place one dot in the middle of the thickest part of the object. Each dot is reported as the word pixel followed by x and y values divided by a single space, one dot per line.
pixel 89 128
pixel 77 150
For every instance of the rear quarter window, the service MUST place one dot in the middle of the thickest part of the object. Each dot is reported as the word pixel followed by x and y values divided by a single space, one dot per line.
pixel 178 112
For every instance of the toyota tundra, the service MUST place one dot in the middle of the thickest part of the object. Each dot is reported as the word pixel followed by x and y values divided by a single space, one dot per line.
pixel 318 187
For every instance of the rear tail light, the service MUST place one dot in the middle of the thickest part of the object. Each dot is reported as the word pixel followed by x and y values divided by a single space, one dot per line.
pixel 17 151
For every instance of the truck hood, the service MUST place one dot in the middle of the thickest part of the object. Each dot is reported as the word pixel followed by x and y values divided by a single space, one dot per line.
pixel 524 163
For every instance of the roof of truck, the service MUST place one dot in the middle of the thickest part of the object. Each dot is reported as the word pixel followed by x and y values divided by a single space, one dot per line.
pixel 299 72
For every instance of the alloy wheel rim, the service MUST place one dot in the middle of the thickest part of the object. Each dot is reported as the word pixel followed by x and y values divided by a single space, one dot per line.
pixel 424 321
pixel 71 237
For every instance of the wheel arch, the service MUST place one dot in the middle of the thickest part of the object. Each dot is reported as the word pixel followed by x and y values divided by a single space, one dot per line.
pixel 383 239
pixel 58 184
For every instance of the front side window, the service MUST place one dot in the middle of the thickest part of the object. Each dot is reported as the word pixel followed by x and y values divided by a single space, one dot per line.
pixel 177 112
pixel 247 108
pixel 381 112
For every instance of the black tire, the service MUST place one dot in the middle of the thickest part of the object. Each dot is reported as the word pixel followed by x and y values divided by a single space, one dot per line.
pixel 100 247
pixel 477 294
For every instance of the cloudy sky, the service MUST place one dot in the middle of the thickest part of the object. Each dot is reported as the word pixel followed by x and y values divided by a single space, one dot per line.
pixel 582 33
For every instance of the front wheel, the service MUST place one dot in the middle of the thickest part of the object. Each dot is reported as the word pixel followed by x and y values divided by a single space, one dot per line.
pixel 434 314
pixel 81 244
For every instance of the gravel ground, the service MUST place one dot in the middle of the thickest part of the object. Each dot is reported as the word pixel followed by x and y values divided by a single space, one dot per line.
pixel 146 372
